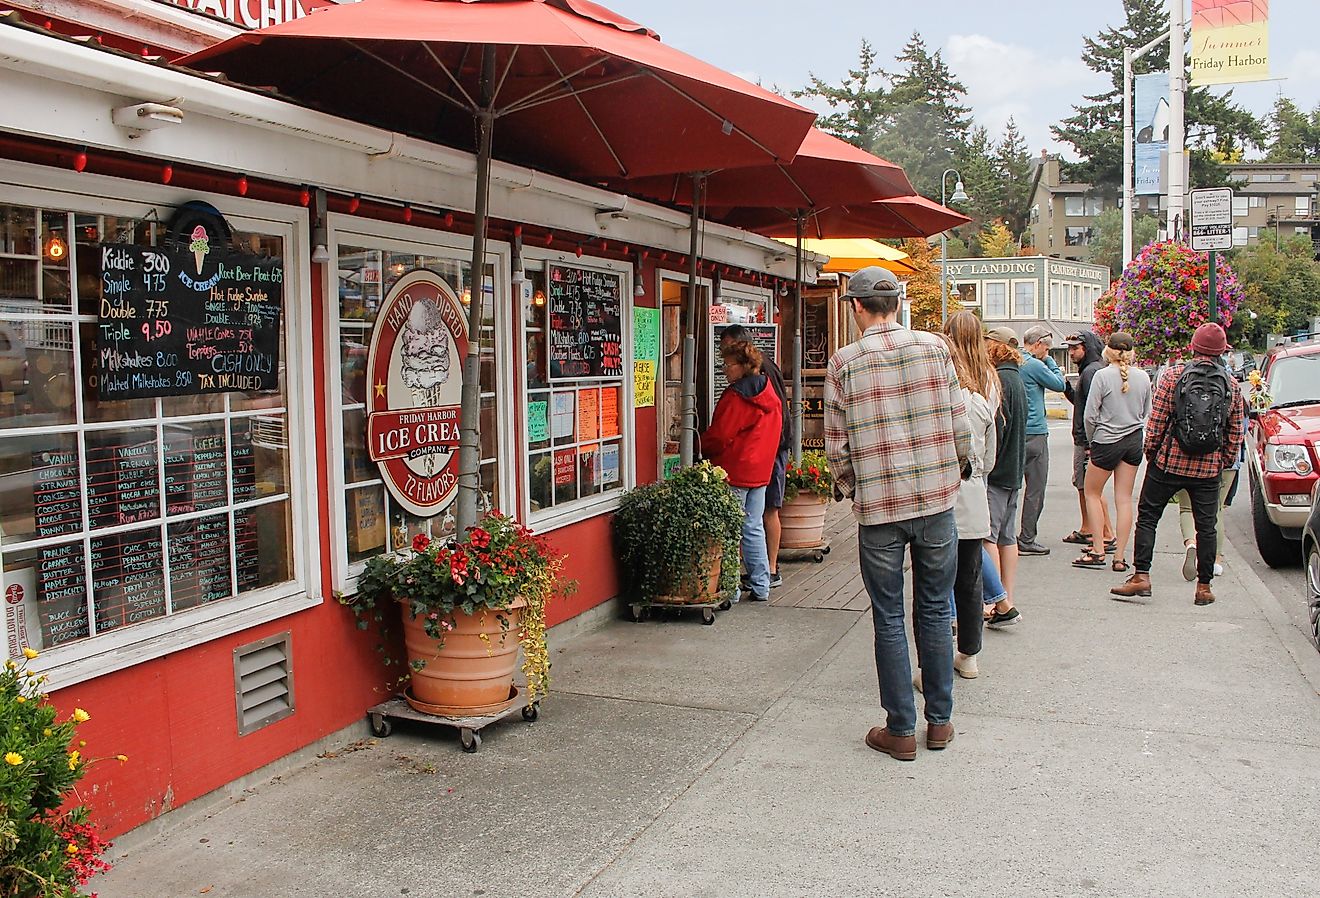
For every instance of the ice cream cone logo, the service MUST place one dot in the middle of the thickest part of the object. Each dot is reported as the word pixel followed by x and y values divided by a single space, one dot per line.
pixel 200 246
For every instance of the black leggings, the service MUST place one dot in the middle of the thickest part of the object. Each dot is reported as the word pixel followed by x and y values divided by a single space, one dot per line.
pixel 968 602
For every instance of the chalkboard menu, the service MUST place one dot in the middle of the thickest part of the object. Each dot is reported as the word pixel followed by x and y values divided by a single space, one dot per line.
pixel 185 321
pixel 765 337
pixel 126 578
pixel 585 323
pixel 199 561
pixel 194 472
pixel 62 594
pixel 57 493
pixel 121 479
pixel 246 550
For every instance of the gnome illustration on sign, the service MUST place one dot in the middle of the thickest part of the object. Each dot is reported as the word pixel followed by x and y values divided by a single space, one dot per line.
pixel 425 357
pixel 200 246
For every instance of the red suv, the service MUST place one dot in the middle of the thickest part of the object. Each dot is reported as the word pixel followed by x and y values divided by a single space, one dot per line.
pixel 1281 456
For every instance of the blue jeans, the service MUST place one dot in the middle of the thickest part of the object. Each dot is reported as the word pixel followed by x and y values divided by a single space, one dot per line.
pixel 992 588
pixel 934 561
pixel 754 552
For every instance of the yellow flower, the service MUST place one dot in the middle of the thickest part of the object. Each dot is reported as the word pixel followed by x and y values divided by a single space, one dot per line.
pixel 80 716
pixel 21 699
pixel 72 848
pixel 46 732
pixel 122 759
pixel 13 758
pixel 30 653
pixel 10 665
pixel 73 760
pixel 82 743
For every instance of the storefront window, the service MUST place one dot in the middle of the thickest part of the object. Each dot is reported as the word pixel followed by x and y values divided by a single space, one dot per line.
pixel 374 520
pixel 996 299
pixel 575 414
pixel 116 512
pixel 1024 299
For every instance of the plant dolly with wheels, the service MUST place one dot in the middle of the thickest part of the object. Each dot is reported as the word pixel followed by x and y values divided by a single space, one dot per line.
pixel 638 611
pixel 469 727
pixel 816 553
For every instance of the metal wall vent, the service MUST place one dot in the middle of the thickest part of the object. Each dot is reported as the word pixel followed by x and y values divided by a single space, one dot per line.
pixel 263 682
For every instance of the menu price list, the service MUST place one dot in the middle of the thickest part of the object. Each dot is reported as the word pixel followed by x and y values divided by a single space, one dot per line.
pixel 121 481
pixel 247 550
pixel 245 464
pixel 62 594
pixel 57 493
pixel 585 323
pixel 194 473
pixel 199 562
pixel 127 581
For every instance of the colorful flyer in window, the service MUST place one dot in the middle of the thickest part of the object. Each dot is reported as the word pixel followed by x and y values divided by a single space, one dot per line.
pixel 588 415
pixel 562 416
pixel 589 465
pixel 646 335
pixel 565 462
pixel 537 425
pixel 609 411
pixel 643 383
pixel 609 464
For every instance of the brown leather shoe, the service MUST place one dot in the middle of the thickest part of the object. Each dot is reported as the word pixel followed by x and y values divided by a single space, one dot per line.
pixel 1136 585
pixel 901 748
pixel 1203 594
pixel 939 735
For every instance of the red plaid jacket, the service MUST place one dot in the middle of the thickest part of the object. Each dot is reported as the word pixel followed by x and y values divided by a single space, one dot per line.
pixel 1163 451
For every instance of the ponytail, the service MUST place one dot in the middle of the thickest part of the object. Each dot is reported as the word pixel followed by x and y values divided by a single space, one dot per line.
pixel 1123 359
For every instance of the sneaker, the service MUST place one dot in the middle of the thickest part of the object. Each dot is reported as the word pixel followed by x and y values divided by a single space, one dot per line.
pixel 1189 563
pixel 753 597
pixel 1001 619
pixel 965 665
pixel 1219 569
pixel 776 580
pixel 1032 549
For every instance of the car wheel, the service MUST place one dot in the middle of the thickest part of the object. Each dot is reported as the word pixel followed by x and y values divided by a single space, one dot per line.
pixel 1276 550
pixel 1313 590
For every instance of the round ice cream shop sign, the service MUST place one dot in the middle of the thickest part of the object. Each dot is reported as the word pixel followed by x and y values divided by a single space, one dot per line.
pixel 416 364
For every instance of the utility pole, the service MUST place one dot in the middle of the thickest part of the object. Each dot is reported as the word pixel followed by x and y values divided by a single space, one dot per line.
pixel 1177 89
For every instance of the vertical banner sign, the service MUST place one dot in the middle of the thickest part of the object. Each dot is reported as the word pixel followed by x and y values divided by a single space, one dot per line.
pixel 415 391
pixel 646 355
pixel 1150 118
pixel 1230 41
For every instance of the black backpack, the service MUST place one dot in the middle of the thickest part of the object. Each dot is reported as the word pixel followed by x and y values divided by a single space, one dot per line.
pixel 1202 400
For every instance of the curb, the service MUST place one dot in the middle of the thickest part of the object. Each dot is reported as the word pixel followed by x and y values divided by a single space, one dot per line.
pixel 1293 640
pixel 1061 413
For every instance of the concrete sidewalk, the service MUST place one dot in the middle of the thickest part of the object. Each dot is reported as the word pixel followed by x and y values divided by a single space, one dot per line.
pixel 1106 749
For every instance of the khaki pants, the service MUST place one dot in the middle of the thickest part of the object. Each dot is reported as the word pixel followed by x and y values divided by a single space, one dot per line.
pixel 1185 512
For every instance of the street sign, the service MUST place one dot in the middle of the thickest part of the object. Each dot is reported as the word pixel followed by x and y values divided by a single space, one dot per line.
pixel 1212 219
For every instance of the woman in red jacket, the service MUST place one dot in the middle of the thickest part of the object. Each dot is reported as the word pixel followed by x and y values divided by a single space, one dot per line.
pixel 742 439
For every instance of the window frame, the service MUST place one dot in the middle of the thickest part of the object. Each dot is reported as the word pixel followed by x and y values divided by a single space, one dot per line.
pixel 394 237
pixel 581 509
pixel 1035 298
pixel 128 646
pixel 985 300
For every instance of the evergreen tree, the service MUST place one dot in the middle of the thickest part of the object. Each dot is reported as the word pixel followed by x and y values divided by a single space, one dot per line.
pixel 860 104
pixel 1293 136
pixel 980 177
pixel 1013 163
pixel 1107 238
pixel 1212 123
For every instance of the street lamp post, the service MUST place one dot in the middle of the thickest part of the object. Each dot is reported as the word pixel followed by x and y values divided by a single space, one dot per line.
pixel 959 196
pixel 1276 227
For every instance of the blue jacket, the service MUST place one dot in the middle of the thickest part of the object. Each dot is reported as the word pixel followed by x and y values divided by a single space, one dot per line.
pixel 1037 377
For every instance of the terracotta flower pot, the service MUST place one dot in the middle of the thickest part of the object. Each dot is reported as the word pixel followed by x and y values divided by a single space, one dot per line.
pixel 467 674
pixel 689 592
pixel 802 521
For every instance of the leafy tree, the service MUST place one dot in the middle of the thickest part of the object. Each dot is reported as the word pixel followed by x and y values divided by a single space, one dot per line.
pixel 1013 166
pixel 1282 287
pixel 1107 238
pixel 1293 135
pixel 997 241
pixel 1097 127
pixel 923 285
pixel 861 102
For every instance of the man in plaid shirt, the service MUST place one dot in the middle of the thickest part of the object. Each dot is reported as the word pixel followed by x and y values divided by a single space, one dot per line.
pixel 1169 469
pixel 898 441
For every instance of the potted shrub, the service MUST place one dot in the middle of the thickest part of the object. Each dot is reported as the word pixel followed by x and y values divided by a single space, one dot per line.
pixel 467 606
pixel 48 848
pixel 678 539
pixel 808 487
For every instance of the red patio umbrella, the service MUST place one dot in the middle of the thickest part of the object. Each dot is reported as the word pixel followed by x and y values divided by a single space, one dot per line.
pixel 578 90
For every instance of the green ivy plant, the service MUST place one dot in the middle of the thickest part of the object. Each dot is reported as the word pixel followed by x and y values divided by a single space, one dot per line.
pixel 664 531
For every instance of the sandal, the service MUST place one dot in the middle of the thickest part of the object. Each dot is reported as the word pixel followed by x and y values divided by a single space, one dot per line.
pixel 1111 545
pixel 1078 538
pixel 1120 566
pixel 1089 559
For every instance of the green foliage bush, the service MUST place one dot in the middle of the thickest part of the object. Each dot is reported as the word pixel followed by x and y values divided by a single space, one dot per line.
pixel 663 532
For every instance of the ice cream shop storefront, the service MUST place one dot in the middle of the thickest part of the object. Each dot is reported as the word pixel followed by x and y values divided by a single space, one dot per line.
pixel 223 345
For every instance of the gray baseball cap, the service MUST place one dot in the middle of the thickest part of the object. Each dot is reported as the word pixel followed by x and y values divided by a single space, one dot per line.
pixel 872 281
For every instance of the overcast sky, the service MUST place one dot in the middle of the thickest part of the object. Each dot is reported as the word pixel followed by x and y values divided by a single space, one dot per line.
pixel 1015 59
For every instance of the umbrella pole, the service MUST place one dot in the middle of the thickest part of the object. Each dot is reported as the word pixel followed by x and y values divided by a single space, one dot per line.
pixel 469 437
pixel 689 395
pixel 797 343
